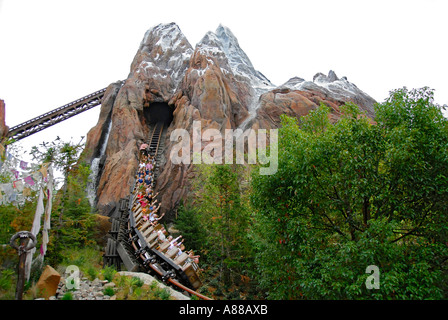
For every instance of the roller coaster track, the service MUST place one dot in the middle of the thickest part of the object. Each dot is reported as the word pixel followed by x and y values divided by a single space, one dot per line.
pixel 57 115
pixel 135 243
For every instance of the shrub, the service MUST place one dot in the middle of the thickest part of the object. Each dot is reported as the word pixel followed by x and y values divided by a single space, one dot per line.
pixel 108 273
pixel 137 282
pixel 67 296
pixel 109 291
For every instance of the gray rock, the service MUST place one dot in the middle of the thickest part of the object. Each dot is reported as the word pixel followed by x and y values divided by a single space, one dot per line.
pixel 332 76
pixel 109 285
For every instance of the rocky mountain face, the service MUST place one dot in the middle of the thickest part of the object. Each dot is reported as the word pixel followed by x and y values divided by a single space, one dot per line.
pixel 213 83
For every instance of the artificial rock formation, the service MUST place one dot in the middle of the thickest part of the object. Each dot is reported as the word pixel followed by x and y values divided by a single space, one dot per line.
pixel 213 83
pixel 3 127
pixel 48 282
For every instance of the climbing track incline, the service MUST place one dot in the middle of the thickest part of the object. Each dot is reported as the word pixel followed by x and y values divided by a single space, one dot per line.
pixel 140 242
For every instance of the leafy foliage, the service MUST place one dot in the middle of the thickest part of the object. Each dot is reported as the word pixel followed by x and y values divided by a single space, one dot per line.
pixel 72 218
pixel 63 155
pixel 190 225
pixel 217 218
pixel 133 288
pixel 76 227
pixel 355 194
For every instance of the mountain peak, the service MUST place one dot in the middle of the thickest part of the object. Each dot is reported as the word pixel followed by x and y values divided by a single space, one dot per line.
pixel 238 60
pixel 165 35
pixel 214 83
pixel 224 32
pixel 162 57
pixel 210 39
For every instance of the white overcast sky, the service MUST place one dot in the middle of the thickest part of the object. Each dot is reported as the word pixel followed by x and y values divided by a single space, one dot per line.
pixel 53 52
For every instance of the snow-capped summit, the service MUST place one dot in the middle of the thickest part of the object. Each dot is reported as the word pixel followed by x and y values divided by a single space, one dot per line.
pixel 164 52
pixel 164 56
pixel 211 45
pixel 224 46
pixel 239 61
pixel 167 36
pixel 339 89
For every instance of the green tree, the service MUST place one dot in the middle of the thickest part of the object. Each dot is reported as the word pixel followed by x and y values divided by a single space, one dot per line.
pixel 355 194
pixel 63 156
pixel 189 224
pixel 219 217
pixel 75 224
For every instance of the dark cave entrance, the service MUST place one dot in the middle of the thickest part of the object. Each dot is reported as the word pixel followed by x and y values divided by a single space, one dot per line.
pixel 158 112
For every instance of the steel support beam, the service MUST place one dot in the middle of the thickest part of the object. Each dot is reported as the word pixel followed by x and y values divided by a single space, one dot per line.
pixel 55 116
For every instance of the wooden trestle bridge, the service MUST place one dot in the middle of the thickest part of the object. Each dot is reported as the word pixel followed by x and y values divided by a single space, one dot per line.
pixel 132 242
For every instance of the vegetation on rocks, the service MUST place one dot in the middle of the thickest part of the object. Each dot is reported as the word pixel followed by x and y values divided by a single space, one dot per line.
pixel 347 196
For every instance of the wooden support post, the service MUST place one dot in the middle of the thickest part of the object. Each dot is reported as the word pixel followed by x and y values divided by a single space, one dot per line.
pixel 23 247
pixel 21 268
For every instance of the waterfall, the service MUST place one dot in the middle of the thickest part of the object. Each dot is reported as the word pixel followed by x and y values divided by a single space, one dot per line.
pixel 252 110
pixel 92 183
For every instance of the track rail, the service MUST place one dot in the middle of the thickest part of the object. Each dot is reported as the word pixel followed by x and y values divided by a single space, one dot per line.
pixel 57 115
pixel 155 139
pixel 138 245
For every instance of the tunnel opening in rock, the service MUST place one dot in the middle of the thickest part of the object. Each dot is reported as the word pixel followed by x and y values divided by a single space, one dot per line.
pixel 158 112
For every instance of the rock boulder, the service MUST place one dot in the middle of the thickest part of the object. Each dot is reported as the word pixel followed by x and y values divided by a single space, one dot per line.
pixel 48 282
